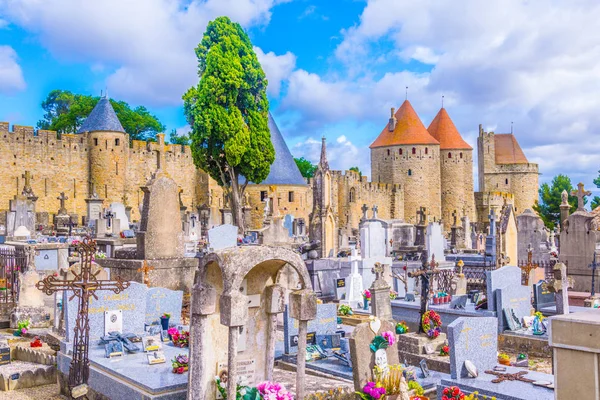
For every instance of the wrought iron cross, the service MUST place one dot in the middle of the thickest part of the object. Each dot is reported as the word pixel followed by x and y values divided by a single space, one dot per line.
pixel 145 268
pixel 84 286
pixel 593 266
pixel 425 273
pixel 108 215
pixel 526 269
pixel 581 193
pixel 518 376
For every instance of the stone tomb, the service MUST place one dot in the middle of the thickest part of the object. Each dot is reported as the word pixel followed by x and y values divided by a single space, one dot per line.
pixel 324 323
pixel 473 339
pixel 220 310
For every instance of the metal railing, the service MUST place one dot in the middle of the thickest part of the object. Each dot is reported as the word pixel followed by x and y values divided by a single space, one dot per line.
pixel 13 261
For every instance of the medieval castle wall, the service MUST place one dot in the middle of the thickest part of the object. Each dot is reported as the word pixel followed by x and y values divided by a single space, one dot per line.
pixel 416 168
pixel 73 162
pixel 457 185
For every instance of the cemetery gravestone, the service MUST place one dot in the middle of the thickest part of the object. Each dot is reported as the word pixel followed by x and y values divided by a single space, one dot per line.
pixel 434 241
pixel 475 340
pixel 160 301
pixel 499 278
pixel 222 236
pixel 325 323
pixel 132 302
pixel 118 210
pixel 515 298
pixel 542 296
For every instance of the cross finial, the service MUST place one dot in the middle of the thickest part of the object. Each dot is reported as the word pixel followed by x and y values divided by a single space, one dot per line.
pixel 442 101
pixel 377 270
pixel 581 193
pixel 406 93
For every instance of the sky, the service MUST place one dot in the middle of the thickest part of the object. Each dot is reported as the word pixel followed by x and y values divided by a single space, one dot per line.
pixel 335 67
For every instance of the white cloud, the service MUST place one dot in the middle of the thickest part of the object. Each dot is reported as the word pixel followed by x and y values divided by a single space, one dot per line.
pixel 277 68
pixel 148 43
pixel 11 75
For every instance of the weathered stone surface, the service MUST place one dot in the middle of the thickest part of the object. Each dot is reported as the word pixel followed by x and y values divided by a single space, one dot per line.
pixel 473 339
pixel 160 234
pixel 303 305
pixel 275 295
pixel 515 297
pixel 234 309
pixel 222 237
pixel 204 299
pixel 162 300
pixel 325 322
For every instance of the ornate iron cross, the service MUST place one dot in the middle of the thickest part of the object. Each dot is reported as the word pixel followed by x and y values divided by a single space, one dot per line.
pixel 526 269
pixel 425 273
pixel 518 376
pixel 83 285
pixel 145 268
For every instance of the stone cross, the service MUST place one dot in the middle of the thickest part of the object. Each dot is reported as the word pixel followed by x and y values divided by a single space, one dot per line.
pixel 124 199
pixel 62 198
pixel 145 268
pixel 364 210
pixel 83 286
pixel 560 286
pixel 378 271
pixel 526 269
pixel 454 215
pixel 581 193
pixel 425 274
pixel 27 190
pixel 93 194
pixel 161 153
pixel 421 214
pixel 374 212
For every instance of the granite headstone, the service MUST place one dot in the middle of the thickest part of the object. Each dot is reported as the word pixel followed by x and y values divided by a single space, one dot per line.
pixel 473 339
pixel 500 278
pixel 515 297
pixel 222 237
pixel 324 323
pixel 162 300
pixel 542 297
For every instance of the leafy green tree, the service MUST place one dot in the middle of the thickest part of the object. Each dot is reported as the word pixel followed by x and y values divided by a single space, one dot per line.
pixel 307 169
pixel 175 138
pixel 595 202
pixel 548 207
pixel 65 112
pixel 356 169
pixel 228 112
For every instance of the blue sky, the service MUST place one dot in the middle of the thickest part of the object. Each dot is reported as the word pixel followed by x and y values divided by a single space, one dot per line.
pixel 334 67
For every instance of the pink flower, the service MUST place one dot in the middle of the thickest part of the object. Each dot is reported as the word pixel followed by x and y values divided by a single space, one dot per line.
pixel 389 336
pixel 172 331
pixel 23 331
pixel 180 370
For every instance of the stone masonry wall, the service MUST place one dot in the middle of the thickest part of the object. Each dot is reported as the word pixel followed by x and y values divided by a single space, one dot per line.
pixel 292 199
pixel 457 185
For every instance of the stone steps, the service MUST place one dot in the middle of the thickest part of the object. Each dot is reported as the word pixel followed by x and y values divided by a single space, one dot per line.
pixel 411 348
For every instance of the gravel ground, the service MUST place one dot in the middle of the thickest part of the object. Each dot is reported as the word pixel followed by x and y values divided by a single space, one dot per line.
pixel 46 392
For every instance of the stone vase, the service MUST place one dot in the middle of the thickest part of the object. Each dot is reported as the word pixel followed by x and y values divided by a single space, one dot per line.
pixel 164 322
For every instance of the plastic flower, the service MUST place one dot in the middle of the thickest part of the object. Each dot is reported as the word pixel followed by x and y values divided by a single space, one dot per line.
pixel 180 370
pixel 172 331
pixel 389 336
pixel 366 294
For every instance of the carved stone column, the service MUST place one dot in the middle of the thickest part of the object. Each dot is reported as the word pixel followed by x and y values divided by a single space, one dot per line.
pixel 303 307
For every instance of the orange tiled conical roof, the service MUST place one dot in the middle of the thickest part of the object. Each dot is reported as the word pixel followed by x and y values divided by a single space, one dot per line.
pixel 508 150
pixel 442 128
pixel 408 130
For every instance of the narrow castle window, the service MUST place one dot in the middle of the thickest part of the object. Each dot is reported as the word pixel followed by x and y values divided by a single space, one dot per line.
pixel 414 151
pixel 351 196
pixel 410 172
pixel 449 155
pixel 460 155
pixel 426 150
pixel 263 195
pixel 291 197
pixel 95 141
pixel 388 152
pixel 116 142
pixel 400 151
pixel 506 181
pixel 116 168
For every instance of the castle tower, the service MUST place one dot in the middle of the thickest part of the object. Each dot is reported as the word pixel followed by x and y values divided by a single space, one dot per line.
pixel 108 151
pixel 503 167
pixel 456 170
pixel 322 222
pixel 405 153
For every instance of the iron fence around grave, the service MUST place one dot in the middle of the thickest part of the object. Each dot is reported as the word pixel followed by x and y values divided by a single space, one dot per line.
pixel 12 262
pixel 476 276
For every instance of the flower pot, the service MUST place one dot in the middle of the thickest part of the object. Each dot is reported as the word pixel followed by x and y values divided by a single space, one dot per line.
pixel 164 322
pixel 365 304
pixel 504 361
pixel 436 300
pixel 448 299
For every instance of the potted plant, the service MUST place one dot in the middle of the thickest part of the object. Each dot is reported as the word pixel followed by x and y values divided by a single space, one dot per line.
pixel 22 327
pixel 180 364
pixel 401 328
pixel 419 392
pixel 445 351
pixel 452 393
pixel 366 298
pixel 36 342
pixel 164 321
pixel 345 310
pixel 504 359
pixel 372 391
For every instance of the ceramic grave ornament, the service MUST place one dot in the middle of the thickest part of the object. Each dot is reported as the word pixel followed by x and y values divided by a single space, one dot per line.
pixel 381 361
pixel 471 369
pixel 375 324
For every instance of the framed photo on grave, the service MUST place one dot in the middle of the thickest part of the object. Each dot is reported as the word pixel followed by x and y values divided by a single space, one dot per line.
pixel 246 370
pixel 164 336
pixel 113 321
pixel 151 343
pixel 156 357
pixel 424 369
pixel 114 348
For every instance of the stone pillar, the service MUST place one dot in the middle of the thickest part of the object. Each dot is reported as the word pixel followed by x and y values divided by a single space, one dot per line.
pixel 576 354
pixel 204 302
pixel 564 209
pixel 275 295
pixel 303 307
pixel 234 314
pixel 381 305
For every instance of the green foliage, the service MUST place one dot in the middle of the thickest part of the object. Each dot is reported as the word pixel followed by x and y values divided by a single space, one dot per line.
pixel 65 112
pixel 378 342
pixel 307 169
pixel 345 309
pixel 417 387
pixel 595 202
pixel 548 207
pixel 228 111
pixel 355 169
pixel 175 138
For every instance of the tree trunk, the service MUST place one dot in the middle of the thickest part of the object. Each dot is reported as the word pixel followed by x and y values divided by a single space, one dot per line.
pixel 237 212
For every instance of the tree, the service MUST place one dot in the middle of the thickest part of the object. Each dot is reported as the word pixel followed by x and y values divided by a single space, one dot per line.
pixel 65 112
pixel 175 138
pixel 307 169
pixel 596 199
pixel 551 197
pixel 356 169
pixel 228 112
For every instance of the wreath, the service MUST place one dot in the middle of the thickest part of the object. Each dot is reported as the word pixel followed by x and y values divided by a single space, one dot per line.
pixel 431 323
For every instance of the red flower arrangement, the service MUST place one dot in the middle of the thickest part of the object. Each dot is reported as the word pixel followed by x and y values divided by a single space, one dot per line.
pixel 180 339
pixel 431 323
pixel 452 393
pixel 36 342
pixel 445 351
